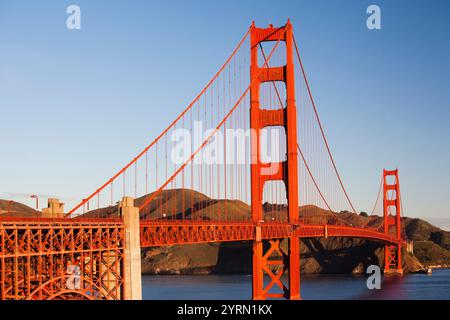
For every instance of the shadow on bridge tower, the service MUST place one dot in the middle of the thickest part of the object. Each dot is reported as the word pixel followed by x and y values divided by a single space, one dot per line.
pixel 266 260
pixel 392 217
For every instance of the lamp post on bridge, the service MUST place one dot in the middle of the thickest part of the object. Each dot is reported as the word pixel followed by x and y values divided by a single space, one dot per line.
pixel 35 196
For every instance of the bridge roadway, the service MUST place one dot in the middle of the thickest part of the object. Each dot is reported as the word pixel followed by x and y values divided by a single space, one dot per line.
pixel 160 233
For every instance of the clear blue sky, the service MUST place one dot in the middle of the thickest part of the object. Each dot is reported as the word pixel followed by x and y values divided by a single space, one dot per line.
pixel 76 105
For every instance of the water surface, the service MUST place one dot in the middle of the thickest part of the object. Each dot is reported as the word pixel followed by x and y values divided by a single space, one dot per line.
pixel 321 287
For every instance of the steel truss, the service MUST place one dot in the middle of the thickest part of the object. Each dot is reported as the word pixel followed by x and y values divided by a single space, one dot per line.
pixel 61 259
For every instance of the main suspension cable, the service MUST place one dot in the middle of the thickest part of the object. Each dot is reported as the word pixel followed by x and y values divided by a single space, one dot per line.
pixel 320 125
pixel 298 146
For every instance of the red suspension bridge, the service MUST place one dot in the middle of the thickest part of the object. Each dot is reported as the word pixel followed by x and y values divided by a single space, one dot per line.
pixel 246 160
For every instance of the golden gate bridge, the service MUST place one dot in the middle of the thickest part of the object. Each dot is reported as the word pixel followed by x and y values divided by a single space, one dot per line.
pixel 261 171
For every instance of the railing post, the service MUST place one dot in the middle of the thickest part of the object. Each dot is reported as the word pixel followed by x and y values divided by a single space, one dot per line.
pixel 132 256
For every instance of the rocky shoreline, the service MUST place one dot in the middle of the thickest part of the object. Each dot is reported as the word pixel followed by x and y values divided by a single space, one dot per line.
pixel 324 256
pixel 438 266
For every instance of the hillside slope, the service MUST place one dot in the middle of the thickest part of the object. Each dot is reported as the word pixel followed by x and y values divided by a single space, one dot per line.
pixel 16 209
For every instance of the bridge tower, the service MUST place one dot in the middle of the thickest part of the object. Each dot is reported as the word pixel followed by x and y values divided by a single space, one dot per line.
pixel 286 171
pixel 391 214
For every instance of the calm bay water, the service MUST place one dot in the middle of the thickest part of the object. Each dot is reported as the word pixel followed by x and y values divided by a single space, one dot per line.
pixel 321 287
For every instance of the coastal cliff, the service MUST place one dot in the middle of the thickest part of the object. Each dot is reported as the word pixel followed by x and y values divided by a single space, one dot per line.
pixel 338 255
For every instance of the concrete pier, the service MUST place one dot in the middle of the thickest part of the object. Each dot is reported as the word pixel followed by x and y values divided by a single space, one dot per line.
pixel 130 215
pixel 55 209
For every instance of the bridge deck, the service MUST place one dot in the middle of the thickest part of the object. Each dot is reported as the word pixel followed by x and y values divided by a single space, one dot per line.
pixel 160 233
pixel 170 233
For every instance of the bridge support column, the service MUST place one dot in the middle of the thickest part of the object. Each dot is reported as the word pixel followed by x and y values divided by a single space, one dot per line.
pixel 54 210
pixel 393 260
pixel 132 256
pixel 272 261
pixel 391 214
pixel 410 246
